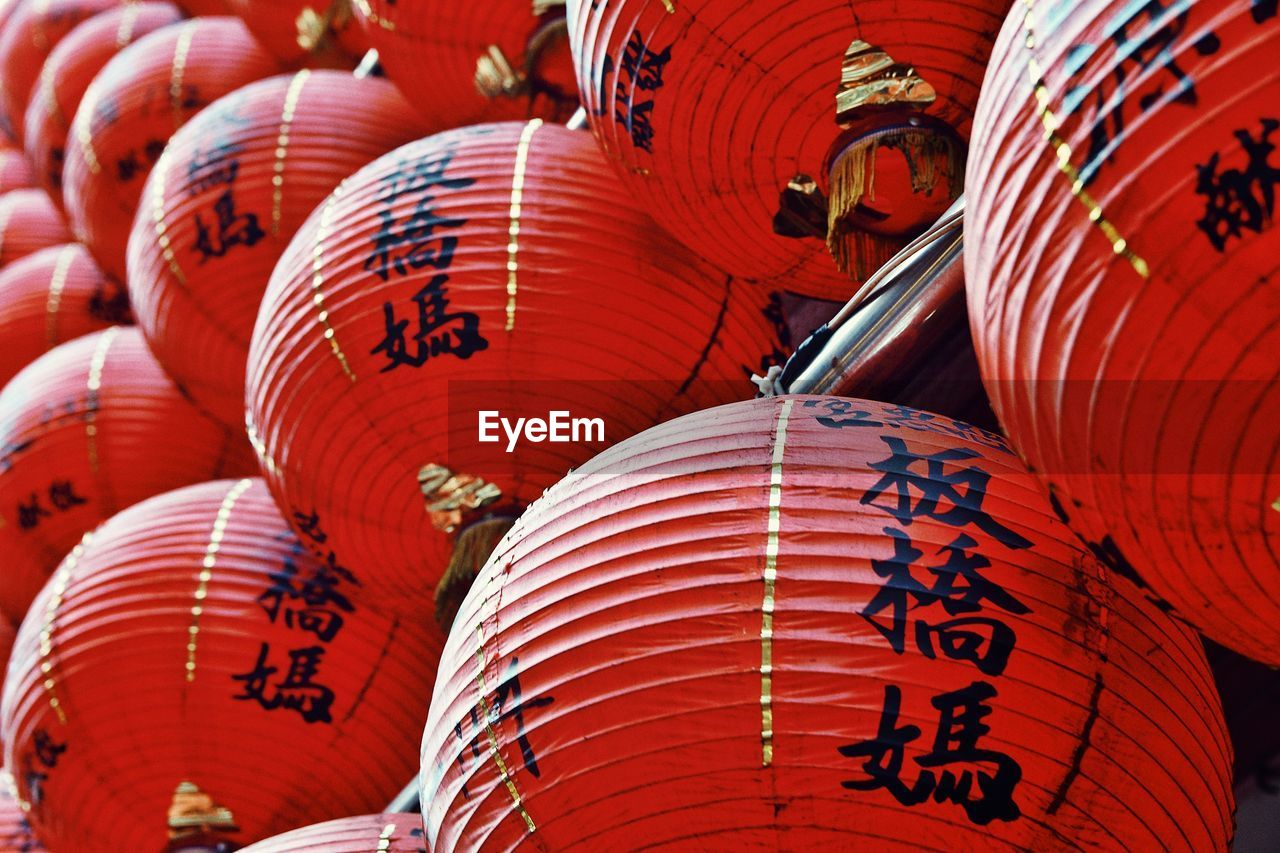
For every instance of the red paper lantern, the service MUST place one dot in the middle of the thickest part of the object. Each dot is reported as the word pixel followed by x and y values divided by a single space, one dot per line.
pixel 752 133
pixel 816 623
pixel 15 829
pixel 464 63
pixel 145 93
pixel 496 268
pixel 234 185
pixel 196 8
pixel 304 30
pixel 32 31
pixel 15 170
pixel 1122 273
pixel 29 221
pixel 66 75
pixel 398 833
pixel 233 685
pixel 87 429
pixel 53 296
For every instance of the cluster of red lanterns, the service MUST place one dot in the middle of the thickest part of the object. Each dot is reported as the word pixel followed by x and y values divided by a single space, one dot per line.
pixel 418 425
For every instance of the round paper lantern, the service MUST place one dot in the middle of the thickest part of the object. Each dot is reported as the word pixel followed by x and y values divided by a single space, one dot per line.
pixel 463 63
pixel 53 296
pixel 87 429
pixel 142 95
pixel 15 169
pixel 233 186
pixel 398 833
pixel 816 623
pixel 758 133
pixel 29 221
pixel 15 829
pixel 495 271
pixel 1123 275
pixel 66 75
pixel 233 685
pixel 304 30
pixel 32 31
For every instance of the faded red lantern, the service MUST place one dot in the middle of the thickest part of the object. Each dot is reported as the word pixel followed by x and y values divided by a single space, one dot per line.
pixel 497 269
pixel 53 296
pixel 397 833
pixel 15 830
pixel 87 429
pixel 1123 266
pixel 66 75
pixel 311 31
pixel 800 145
pixel 15 169
pixel 221 205
pixel 30 33
pixel 145 93
pixel 234 685
pixel 29 222
pixel 811 623
pixel 486 60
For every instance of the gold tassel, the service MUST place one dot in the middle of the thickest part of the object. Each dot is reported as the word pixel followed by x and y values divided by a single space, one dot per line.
pixel 470 552
pixel 852 177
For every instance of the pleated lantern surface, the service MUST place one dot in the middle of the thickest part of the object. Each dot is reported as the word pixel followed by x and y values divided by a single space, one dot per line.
pixel 15 169
pixel 191 671
pixel 196 8
pixel 802 144
pixel 53 296
pixel 29 222
pixel 143 94
pixel 70 69
pixel 816 623
pixel 221 205
pixel 497 268
pixel 311 31
pixel 15 829
pixel 1124 291
pixel 87 429
pixel 464 63
pixel 398 833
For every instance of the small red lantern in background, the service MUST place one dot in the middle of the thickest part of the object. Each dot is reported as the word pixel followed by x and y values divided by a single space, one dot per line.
pixel 87 429
pixel 15 170
pixel 396 833
pixel 234 685
pixel 15 829
pixel 497 268
pixel 31 32
pixel 486 60
pixel 53 296
pixel 808 622
pixel 308 31
pixel 145 93
pixel 29 222
pixel 754 133
pixel 221 205
pixel 66 75
pixel 1123 270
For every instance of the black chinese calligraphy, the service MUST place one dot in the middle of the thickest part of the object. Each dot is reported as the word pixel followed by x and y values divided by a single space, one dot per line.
pixel 848 413
pixel 1240 199
pixel 297 691
pixel 137 162
pixel 109 303
pixel 636 77
pixel 314 604
pixel 508 705
pixel 38 761
pixel 438 331
pixel 61 497
pixel 227 230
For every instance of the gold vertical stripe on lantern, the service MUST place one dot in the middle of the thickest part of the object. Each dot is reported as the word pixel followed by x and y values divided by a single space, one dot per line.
pixel 206 569
pixel 513 230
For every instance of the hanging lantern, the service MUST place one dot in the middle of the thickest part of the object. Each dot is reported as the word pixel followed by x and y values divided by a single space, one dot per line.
pixel 30 33
pixel 495 271
pixel 143 94
pixel 463 63
pixel 220 207
pixel 234 685
pixel 15 171
pixel 196 8
pixel 1122 273
pixel 801 144
pixel 87 429
pixel 15 829
pixel 308 31
pixel 66 75
pixel 815 623
pixel 50 297
pixel 397 833
pixel 29 221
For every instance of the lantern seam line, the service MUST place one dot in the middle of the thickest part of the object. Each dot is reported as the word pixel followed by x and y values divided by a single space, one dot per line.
pixel 50 95
pixel 96 366
pixel 56 284
pixel 482 705
pixel 259 446
pixel 384 837
pixel 367 11
pixel 83 128
pixel 38 36
pixel 124 34
pixel 770 585
pixel 61 580
pixel 317 279
pixel 206 568
pixel 291 98
pixel 513 230
pixel 157 217
pixel 180 51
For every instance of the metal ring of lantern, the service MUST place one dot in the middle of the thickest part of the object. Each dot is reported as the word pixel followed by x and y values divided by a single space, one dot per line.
pixel 395 833
pixel 29 222
pixel 310 31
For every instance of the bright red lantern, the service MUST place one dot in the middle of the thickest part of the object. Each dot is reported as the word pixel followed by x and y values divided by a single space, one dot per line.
pixel 234 685
pixel 499 268
pixel 145 93
pixel 220 207
pixel 15 170
pixel 397 833
pixel 32 31
pixel 50 297
pixel 486 60
pixel 29 222
pixel 87 429
pixel 757 133
pixel 1122 267
pixel 304 30
pixel 813 623
pixel 15 829
pixel 66 75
